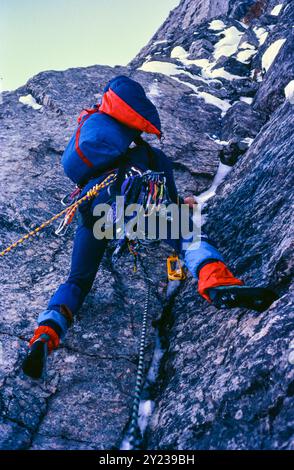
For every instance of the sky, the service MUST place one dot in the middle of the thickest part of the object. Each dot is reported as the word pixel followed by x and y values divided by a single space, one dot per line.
pixel 38 35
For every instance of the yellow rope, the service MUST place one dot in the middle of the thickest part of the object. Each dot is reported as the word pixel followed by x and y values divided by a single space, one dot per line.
pixel 72 208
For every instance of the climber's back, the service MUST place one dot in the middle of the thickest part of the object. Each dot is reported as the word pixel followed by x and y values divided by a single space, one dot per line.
pixel 106 131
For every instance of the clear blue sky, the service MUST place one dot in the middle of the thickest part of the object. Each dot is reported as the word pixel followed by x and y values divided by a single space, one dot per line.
pixel 38 35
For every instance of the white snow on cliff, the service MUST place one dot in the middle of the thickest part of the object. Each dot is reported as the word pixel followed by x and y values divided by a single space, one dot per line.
pixel 228 45
pixel 261 35
pixel 271 53
pixel 30 101
pixel 289 92
pixel 246 99
pixel 246 53
pixel 156 66
pixel 172 70
pixel 277 10
pixel 222 172
pixel 178 52
pixel 223 105
pixel 217 25
pixel 208 70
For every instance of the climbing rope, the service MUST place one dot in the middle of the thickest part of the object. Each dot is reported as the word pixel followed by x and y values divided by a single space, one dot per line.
pixel 68 212
pixel 139 380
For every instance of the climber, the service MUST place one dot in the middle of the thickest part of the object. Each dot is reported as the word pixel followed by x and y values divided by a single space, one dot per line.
pixel 102 143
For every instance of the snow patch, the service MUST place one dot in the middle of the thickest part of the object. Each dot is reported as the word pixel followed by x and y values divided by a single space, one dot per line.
pixel 271 53
pixel 146 406
pixel 209 72
pixel 223 105
pixel 261 35
pixel 244 56
pixel 207 68
pixel 248 141
pixel 178 52
pixel 247 45
pixel 155 66
pixel 162 41
pixel 155 363
pixel 217 25
pixel 228 45
pixel 277 10
pixel 246 99
pixel 289 92
pixel 222 172
pixel 146 409
pixel 30 101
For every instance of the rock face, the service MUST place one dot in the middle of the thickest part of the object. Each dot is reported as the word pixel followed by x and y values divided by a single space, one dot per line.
pixel 226 379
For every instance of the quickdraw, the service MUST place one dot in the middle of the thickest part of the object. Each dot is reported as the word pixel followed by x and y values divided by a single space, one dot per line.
pixel 69 212
pixel 72 197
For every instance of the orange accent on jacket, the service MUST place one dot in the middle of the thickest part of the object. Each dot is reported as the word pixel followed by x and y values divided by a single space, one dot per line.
pixel 117 108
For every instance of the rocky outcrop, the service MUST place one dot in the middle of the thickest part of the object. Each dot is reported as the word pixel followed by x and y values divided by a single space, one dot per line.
pixel 226 379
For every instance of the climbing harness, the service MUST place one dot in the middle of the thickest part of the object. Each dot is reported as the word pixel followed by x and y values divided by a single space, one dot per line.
pixel 69 212
pixel 175 269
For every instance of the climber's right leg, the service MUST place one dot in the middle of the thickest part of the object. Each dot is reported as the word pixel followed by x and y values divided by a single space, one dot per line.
pixel 218 285
pixel 54 322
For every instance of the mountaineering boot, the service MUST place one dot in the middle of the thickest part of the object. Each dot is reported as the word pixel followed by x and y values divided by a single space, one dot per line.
pixel 219 286
pixel 254 298
pixel 43 342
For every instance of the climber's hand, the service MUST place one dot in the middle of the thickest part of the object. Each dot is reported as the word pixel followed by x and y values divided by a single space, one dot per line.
pixel 190 201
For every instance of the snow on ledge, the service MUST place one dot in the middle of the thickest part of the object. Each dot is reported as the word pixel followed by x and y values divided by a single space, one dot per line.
pixel 261 35
pixel 166 68
pixel 30 101
pixel 271 53
pixel 217 25
pixel 246 99
pixel 289 92
pixel 178 52
pixel 277 10
pixel 228 45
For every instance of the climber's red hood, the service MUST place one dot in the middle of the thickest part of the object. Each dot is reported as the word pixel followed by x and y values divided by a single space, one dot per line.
pixel 126 101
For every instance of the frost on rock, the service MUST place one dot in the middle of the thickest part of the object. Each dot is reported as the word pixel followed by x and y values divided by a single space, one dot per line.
pixel 217 25
pixel 289 92
pixel 271 53
pixel 30 101
pixel 277 10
